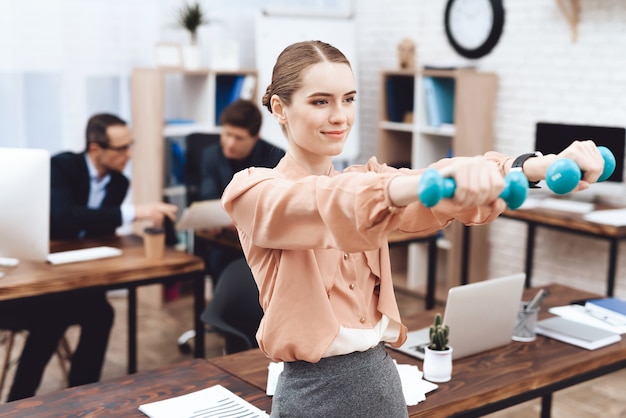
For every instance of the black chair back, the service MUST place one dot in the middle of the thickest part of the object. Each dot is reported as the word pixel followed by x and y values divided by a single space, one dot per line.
pixel 195 145
pixel 234 310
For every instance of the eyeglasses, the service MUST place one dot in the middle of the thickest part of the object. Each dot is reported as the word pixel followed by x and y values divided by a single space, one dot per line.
pixel 121 148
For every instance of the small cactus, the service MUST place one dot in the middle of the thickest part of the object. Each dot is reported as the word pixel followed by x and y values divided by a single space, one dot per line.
pixel 439 335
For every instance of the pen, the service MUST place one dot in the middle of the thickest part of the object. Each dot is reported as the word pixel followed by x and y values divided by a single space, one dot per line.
pixel 536 301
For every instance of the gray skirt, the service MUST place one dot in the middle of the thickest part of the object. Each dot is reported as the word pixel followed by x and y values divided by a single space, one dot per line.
pixel 361 384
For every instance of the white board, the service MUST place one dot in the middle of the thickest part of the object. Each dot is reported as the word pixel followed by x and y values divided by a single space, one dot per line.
pixel 273 34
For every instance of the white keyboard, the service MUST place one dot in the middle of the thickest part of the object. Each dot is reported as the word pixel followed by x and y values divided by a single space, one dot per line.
pixel 85 254
pixel 565 205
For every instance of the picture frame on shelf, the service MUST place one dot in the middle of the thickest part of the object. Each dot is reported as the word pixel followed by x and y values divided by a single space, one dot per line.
pixel 169 56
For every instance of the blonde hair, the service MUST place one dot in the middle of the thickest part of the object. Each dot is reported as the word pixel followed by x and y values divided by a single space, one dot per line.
pixel 291 63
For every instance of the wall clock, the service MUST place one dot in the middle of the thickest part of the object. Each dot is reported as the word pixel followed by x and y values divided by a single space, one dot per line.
pixel 474 27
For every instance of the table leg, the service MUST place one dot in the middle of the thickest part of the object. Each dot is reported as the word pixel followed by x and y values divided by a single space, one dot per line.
pixel 546 406
pixel 132 330
pixel 610 281
pixel 198 308
pixel 467 236
pixel 530 253
pixel 431 279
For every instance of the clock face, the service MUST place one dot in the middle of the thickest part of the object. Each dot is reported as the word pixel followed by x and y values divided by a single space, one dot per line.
pixel 473 27
pixel 471 22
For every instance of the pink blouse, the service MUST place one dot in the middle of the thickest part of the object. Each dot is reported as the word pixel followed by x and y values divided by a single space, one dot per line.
pixel 317 247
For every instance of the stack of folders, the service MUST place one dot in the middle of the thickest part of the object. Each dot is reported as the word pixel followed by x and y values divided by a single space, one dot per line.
pixel 610 309
pixel 590 324
pixel 576 333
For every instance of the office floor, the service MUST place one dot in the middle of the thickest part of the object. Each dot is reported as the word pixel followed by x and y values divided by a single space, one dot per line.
pixel 159 330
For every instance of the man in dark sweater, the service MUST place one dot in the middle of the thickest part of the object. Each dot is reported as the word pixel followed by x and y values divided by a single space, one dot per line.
pixel 240 147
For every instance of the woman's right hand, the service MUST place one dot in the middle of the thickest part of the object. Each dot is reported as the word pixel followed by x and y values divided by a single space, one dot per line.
pixel 479 181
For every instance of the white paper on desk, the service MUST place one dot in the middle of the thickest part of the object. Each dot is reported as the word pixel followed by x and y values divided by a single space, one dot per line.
pixel 578 313
pixel 414 387
pixel 203 215
pixel 216 401
pixel 531 203
pixel 614 217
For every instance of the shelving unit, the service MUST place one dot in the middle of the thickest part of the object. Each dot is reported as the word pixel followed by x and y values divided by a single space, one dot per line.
pixel 406 138
pixel 190 100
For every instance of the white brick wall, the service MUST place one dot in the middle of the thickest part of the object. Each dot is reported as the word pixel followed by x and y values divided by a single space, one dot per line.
pixel 543 75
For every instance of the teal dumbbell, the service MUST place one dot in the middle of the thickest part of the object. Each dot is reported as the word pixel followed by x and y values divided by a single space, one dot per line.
pixel 433 187
pixel 564 174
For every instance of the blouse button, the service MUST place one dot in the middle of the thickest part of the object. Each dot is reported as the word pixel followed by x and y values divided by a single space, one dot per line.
pixel 362 319
pixel 345 256
pixel 352 286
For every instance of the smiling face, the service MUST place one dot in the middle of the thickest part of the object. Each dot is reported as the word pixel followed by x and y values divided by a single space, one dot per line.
pixel 321 113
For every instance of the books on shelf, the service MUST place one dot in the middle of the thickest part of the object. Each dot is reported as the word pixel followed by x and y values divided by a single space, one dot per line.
pixel 230 88
pixel 576 333
pixel 210 402
pixel 399 91
pixel 439 100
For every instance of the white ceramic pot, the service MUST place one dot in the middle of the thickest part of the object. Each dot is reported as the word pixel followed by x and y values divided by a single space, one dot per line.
pixel 191 57
pixel 438 365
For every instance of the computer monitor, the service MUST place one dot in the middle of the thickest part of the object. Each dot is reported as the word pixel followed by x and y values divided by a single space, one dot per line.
pixel 24 203
pixel 555 137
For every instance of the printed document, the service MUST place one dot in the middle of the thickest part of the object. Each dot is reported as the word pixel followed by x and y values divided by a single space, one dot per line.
pixel 204 215
pixel 213 402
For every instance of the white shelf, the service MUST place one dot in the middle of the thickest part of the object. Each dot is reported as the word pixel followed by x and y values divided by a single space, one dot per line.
pixel 470 132
pixel 188 128
pixel 445 130
pixel 395 126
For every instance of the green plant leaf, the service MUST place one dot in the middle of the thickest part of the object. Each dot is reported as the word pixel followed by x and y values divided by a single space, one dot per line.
pixel 191 16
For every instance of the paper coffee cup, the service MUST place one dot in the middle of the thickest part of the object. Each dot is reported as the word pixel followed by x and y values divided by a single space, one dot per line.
pixel 154 243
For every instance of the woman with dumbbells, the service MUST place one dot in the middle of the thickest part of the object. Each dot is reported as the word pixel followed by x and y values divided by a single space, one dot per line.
pixel 316 238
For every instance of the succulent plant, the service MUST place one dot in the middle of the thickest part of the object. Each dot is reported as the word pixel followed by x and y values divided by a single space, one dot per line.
pixel 438 335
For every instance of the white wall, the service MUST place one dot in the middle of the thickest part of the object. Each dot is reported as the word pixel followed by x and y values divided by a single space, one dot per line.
pixel 543 75
pixel 84 46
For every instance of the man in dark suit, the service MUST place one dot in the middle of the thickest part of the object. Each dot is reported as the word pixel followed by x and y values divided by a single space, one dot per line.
pixel 87 194
pixel 240 147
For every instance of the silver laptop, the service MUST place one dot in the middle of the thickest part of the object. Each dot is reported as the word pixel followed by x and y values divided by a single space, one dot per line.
pixel 481 316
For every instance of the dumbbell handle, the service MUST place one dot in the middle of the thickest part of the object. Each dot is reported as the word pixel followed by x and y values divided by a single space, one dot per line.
pixel 433 187
pixel 564 174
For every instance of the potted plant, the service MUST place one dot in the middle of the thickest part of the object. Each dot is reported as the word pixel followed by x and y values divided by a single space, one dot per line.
pixel 438 354
pixel 190 17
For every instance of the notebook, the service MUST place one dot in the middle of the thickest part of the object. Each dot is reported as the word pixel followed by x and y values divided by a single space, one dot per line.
pixel 481 316
pixel 581 335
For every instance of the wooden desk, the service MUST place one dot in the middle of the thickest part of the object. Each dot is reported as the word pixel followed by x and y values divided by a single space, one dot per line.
pixel 572 223
pixel 487 382
pixel 130 270
pixel 122 396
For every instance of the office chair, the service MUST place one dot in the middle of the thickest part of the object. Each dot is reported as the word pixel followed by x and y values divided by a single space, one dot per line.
pixel 63 354
pixel 195 144
pixel 234 311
